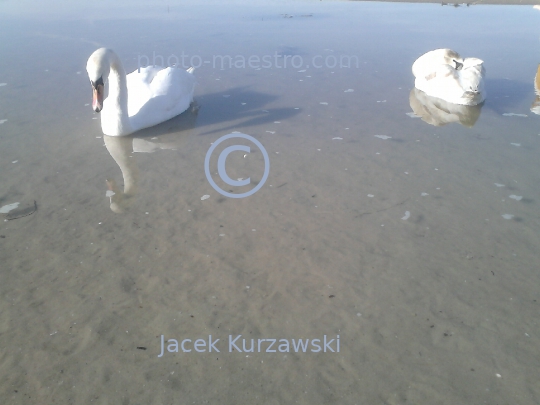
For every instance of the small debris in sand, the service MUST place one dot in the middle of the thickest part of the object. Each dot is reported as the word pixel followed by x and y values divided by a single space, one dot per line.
pixel 6 208
pixel 13 211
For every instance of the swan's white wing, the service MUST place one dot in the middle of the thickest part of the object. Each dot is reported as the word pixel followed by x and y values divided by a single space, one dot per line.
pixel 439 72
pixel 139 90
pixel 470 62
pixel 426 64
pixel 157 95
pixel 441 79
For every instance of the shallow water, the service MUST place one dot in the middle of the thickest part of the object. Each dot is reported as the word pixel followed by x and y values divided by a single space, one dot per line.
pixel 407 240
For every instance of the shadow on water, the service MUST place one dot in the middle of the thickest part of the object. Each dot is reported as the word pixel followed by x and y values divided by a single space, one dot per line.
pixel 227 106
pixel 503 95
pixel 238 105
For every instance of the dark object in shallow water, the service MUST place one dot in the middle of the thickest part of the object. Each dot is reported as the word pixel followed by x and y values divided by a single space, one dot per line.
pixel 24 212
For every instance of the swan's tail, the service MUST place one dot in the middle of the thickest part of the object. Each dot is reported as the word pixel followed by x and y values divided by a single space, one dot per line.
pixel 191 70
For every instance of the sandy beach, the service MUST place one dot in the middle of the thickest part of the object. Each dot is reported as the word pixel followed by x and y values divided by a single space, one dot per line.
pixel 415 243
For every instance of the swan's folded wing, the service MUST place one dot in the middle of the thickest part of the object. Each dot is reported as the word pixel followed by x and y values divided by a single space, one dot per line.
pixel 168 94
pixel 141 84
pixel 175 82
pixel 145 74
pixel 442 72
pixel 429 62
pixel 139 91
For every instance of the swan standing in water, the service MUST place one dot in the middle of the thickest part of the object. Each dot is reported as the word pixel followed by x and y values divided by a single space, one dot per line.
pixel 444 74
pixel 142 99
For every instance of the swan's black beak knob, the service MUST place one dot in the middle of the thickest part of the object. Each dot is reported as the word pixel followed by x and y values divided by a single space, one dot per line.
pixel 459 65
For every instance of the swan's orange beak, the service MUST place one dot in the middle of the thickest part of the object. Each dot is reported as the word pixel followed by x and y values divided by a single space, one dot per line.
pixel 97 99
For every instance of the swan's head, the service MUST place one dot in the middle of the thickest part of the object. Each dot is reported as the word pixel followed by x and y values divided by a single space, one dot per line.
pixel 98 68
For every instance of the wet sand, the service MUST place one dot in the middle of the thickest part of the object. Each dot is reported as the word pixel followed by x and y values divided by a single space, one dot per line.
pixel 439 307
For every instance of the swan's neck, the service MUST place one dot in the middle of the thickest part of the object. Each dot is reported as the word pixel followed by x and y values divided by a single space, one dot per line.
pixel 115 118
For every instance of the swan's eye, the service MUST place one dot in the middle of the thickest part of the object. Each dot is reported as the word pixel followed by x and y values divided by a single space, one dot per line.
pixel 97 83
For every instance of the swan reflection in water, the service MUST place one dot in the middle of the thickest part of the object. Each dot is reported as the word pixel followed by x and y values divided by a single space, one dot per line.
pixel 438 112
pixel 535 107
pixel 168 135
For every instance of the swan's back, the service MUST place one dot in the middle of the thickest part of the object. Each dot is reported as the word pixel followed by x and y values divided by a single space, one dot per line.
pixel 429 62
pixel 156 95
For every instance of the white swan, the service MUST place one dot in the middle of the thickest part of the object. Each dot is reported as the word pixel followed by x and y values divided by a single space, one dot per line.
pixel 142 99
pixel 442 73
